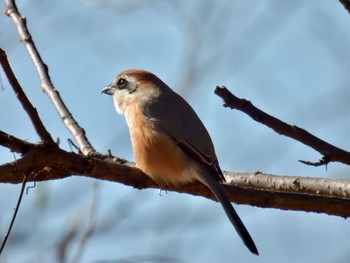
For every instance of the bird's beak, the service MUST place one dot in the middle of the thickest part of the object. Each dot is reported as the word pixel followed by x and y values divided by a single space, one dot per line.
pixel 109 90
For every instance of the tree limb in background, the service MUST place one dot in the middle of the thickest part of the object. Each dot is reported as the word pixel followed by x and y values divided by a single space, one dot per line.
pixel 77 132
pixel 90 225
pixel 44 162
pixel 330 152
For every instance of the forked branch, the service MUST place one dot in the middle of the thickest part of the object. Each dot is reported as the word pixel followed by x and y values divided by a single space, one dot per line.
pixel 47 86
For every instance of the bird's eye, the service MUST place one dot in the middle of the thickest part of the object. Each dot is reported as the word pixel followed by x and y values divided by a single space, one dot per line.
pixel 121 83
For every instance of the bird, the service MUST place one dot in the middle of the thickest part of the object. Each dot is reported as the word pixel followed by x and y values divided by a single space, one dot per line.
pixel 170 143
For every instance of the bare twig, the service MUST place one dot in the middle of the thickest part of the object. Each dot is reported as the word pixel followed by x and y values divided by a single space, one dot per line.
pixel 24 181
pixel 31 187
pixel 318 195
pixel 77 132
pixel 28 107
pixel 72 145
pixel 2 88
pixel 322 161
pixel 330 152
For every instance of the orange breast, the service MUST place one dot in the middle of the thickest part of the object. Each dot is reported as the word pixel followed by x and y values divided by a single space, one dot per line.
pixel 155 153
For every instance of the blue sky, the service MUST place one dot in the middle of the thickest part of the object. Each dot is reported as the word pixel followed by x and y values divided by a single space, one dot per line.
pixel 290 58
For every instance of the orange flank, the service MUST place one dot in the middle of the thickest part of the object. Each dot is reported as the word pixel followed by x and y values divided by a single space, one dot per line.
pixel 156 155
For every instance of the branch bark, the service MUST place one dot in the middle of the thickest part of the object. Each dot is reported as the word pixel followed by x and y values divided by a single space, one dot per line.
pixel 330 152
pixel 48 162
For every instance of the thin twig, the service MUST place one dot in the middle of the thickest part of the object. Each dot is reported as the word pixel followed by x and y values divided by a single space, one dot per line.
pixel 72 145
pixel 14 214
pixel 322 161
pixel 330 152
pixel 2 87
pixel 26 104
pixel 31 187
pixel 77 132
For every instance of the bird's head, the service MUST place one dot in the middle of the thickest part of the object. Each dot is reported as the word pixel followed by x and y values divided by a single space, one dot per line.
pixel 134 86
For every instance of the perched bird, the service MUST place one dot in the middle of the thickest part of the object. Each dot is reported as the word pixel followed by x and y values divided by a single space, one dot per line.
pixel 170 143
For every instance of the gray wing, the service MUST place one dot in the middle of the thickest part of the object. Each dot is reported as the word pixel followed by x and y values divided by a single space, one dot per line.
pixel 183 125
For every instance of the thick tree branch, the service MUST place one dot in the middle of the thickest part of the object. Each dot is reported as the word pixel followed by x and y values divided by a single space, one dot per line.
pixel 330 152
pixel 77 132
pixel 48 162
pixel 26 104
